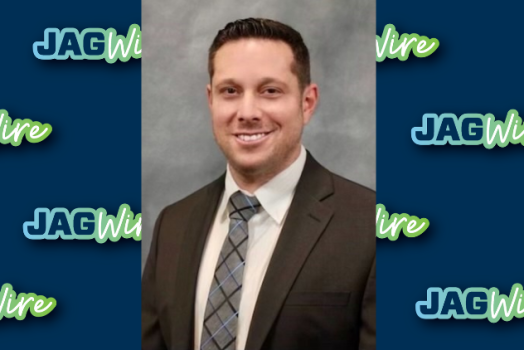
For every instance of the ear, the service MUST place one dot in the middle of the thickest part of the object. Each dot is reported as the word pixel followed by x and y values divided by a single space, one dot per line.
pixel 309 101
pixel 209 96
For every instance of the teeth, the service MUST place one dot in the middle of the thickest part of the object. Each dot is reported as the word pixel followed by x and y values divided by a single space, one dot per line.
pixel 251 137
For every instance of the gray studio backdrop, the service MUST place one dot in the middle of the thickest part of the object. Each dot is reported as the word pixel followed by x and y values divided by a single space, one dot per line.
pixel 179 154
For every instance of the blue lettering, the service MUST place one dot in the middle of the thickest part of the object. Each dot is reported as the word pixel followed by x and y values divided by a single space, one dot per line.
pixel 45 50
pixel 59 223
pixel 69 43
pixel 38 227
pixel 423 135
pixel 448 128
pixel 429 309
pixel 476 308
pixel 469 133
pixel 85 226
pixel 94 43
pixel 452 302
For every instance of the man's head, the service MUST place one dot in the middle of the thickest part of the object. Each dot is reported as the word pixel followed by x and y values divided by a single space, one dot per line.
pixel 260 95
pixel 261 28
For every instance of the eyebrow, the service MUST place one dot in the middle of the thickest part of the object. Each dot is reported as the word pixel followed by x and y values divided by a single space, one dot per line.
pixel 263 81
pixel 227 82
pixel 272 80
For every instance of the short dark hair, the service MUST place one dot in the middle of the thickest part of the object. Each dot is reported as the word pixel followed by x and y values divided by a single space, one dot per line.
pixel 263 28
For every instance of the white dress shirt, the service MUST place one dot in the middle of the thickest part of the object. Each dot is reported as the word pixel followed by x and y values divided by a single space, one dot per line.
pixel 264 229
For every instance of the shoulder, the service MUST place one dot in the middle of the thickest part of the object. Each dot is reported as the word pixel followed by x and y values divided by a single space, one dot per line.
pixel 350 202
pixel 354 209
pixel 349 191
pixel 353 206
pixel 185 206
pixel 324 184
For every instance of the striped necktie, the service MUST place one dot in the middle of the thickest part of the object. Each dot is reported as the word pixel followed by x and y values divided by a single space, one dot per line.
pixel 221 315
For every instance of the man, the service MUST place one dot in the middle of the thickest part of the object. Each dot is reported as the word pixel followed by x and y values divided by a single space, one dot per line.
pixel 278 253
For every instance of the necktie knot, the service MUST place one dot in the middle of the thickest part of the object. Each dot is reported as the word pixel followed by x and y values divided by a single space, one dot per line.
pixel 242 206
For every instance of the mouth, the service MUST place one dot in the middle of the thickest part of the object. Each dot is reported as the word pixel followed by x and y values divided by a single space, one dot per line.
pixel 251 137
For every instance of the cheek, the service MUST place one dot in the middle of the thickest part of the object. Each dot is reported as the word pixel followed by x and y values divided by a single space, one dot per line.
pixel 280 109
pixel 221 116
pixel 289 118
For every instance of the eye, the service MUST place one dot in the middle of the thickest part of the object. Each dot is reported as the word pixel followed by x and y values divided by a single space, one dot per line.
pixel 271 91
pixel 229 90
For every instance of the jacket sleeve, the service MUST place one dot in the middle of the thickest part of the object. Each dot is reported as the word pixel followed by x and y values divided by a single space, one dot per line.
pixel 151 333
pixel 368 313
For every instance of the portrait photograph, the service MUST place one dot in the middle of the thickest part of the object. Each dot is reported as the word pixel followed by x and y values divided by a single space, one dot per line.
pixel 258 175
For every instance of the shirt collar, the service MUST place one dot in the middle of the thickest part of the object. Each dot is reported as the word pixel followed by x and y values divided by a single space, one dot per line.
pixel 275 196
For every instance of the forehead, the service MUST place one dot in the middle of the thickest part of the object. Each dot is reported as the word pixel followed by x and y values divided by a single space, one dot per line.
pixel 252 59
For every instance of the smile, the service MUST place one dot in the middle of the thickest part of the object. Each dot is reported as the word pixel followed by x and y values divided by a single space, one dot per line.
pixel 251 137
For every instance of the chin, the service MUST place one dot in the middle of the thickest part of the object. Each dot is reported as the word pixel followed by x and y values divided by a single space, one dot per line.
pixel 249 167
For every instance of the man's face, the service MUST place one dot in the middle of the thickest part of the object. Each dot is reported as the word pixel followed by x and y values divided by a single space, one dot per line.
pixel 258 110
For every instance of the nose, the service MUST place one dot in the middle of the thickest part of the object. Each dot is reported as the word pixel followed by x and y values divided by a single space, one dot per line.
pixel 248 109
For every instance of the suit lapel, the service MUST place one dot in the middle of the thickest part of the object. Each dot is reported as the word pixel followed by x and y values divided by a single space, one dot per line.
pixel 306 221
pixel 188 264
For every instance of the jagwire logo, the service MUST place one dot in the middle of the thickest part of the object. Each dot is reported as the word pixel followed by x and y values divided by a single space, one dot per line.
pixel 91 44
pixel 473 303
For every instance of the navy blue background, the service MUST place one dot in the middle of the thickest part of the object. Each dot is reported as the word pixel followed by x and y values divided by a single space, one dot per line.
pixel 91 159
pixel 472 196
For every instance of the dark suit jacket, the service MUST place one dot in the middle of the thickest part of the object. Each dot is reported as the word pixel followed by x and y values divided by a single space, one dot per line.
pixel 319 289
